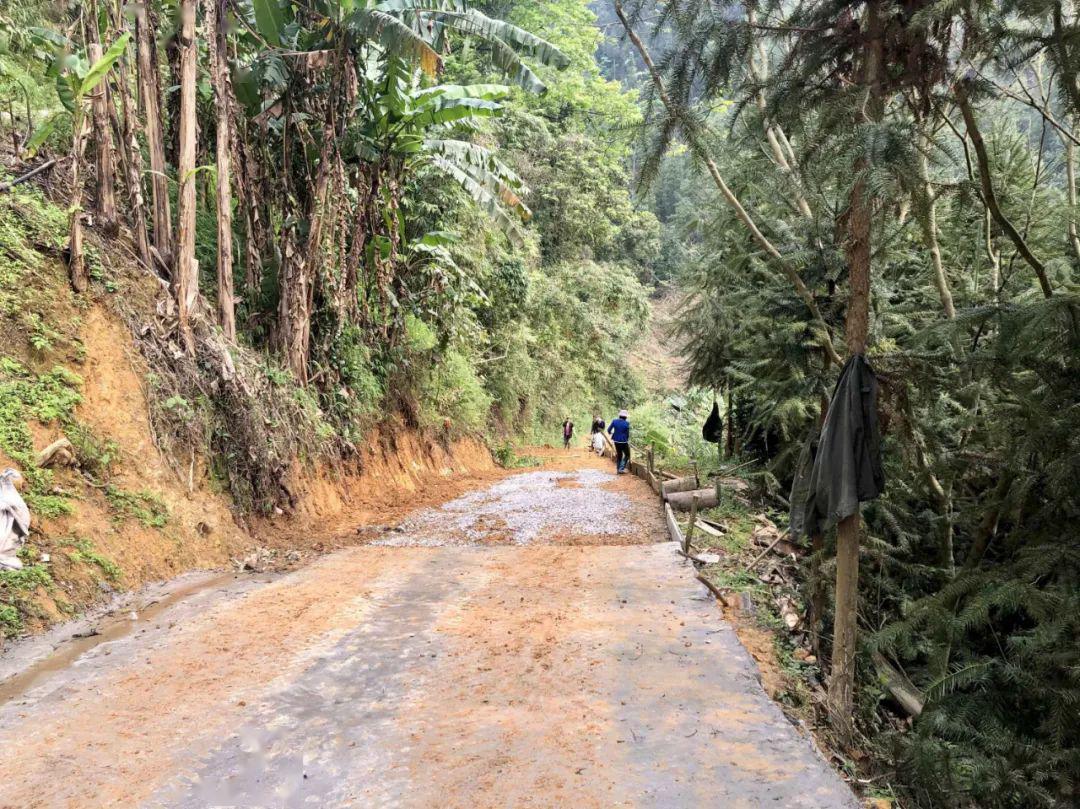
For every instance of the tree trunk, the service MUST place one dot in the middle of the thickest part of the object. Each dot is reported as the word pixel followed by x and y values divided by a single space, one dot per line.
pixel 774 134
pixel 294 316
pixel 133 163
pixel 300 266
pixel 1070 189
pixel 989 524
pixel 186 276
pixel 928 222
pixel 729 445
pixel 217 45
pixel 103 149
pixel 161 214
pixel 77 272
pixel 857 249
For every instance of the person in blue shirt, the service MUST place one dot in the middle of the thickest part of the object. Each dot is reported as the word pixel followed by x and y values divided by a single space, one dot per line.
pixel 619 430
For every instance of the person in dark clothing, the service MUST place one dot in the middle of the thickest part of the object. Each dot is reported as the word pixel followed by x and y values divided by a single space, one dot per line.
pixel 619 429
pixel 567 433
pixel 598 425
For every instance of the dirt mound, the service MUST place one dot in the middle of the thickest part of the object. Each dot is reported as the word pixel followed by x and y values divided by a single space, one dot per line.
pixel 130 514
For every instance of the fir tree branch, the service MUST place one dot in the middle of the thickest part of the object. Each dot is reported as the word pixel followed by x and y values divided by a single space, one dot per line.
pixel 983 160
pixel 694 142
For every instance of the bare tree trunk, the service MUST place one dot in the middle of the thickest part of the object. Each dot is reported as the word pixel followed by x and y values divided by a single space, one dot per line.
pixel 217 46
pixel 186 277
pixel 248 189
pixel 103 147
pixel 294 316
pixel 689 126
pixel 151 104
pixel 857 249
pixel 989 524
pixel 928 222
pixel 729 446
pixel 298 283
pixel 133 164
pixel 1070 190
pixel 77 272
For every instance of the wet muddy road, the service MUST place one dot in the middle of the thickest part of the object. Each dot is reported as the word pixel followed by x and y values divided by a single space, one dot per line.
pixel 529 644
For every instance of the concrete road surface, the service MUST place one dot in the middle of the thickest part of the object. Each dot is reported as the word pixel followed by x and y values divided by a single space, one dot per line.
pixel 528 645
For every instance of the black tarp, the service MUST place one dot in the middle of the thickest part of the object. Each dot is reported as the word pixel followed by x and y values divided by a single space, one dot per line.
pixel 713 428
pixel 840 467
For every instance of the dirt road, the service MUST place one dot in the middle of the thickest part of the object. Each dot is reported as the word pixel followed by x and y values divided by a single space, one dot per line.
pixel 529 644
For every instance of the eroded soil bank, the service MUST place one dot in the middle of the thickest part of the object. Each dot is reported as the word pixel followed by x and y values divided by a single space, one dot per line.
pixel 527 644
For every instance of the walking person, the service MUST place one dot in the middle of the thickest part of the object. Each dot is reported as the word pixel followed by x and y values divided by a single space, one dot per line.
pixel 619 429
pixel 567 432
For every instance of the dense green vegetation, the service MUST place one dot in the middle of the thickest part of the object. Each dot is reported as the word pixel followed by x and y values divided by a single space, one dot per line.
pixel 427 216
pixel 448 244
pixel 926 149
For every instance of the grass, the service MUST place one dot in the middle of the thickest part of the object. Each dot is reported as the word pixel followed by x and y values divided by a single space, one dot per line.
pixel 15 588
pixel 506 456
pixel 25 396
pixel 31 331
pixel 143 505
pixel 10 621
pixel 83 552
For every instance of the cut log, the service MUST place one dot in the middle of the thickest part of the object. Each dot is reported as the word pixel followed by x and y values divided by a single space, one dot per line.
pixel 737 485
pixel 681 501
pixel 687 484
pixel 897 683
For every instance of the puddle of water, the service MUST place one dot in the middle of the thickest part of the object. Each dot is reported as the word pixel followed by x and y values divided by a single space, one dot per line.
pixel 109 627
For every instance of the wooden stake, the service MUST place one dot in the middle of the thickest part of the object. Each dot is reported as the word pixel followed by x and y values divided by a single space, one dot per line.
pixel 694 502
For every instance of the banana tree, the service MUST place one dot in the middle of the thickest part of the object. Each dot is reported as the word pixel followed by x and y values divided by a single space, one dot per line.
pixel 335 88
pixel 406 129
pixel 77 75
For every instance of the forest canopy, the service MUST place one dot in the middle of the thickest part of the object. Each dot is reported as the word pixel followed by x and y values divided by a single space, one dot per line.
pixel 898 181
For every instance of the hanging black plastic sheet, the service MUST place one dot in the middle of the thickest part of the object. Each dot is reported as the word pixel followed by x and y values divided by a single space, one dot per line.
pixel 713 428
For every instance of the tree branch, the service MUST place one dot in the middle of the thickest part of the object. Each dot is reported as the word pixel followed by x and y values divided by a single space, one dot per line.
pixel 679 113
pixel 964 103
